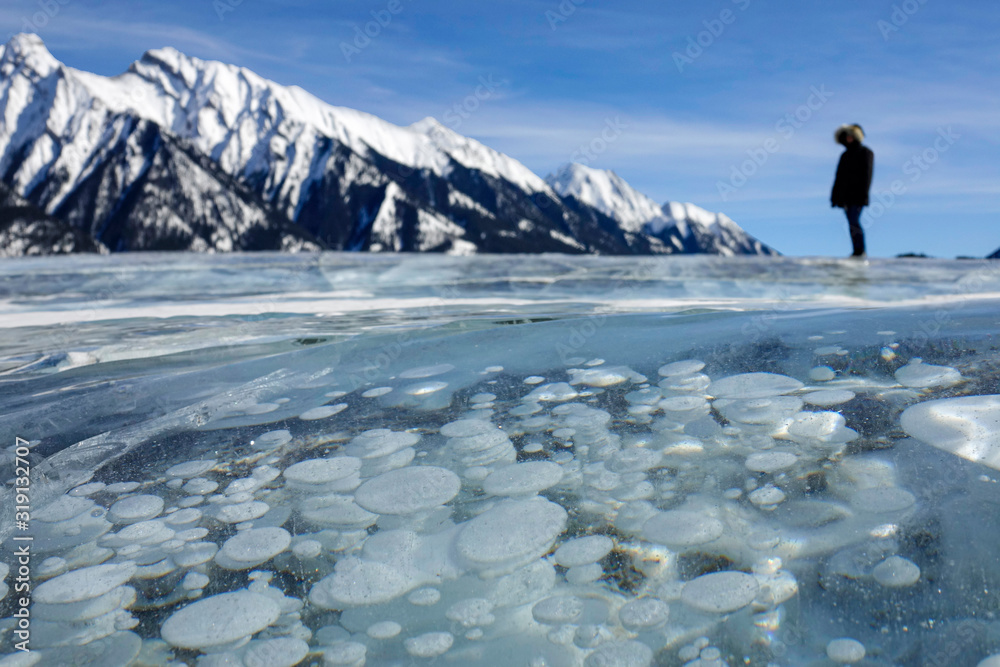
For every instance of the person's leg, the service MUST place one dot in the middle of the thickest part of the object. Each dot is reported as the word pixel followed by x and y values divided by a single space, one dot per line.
pixel 857 233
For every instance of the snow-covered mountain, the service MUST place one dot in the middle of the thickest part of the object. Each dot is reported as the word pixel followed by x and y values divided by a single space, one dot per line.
pixel 683 227
pixel 180 153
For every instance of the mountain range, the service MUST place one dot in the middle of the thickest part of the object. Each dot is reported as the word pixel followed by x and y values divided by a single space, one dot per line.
pixel 179 153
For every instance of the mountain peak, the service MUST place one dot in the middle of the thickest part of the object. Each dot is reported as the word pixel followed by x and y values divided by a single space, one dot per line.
pixel 28 49
pixel 607 192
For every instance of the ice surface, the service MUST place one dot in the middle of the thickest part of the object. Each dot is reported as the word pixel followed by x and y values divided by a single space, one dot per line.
pixel 580 461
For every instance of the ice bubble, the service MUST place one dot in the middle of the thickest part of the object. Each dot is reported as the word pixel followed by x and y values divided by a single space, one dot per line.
pixel 679 529
pixel 240 512
pixel 558 610
pixel 767 496
pixel 64 508
pixel 694 383
pixel 183 517
pixel 882 499
pixel 534 379
pixel 583 550
pixel 84 584
pixel 199 486
pixel 520 479
pixel 769 410
pixel 195 553
pixel 554 392
pixel 116 649
pixel 84 610
pixel 822 374
pixel 468 428
pixel 644 614
pixel 685 408
pixel 344 654
pixel 424 388
pixel 429 645
pixel 408 490
pixel 827 427
pixel 770 461
pixel 896 572
pixel 633 459
pixel 754 385
pixel 249 548
pixel 121 487
pixel 918 374
pixel 336 512
pixel 509 535
pixel 620 654
pixel 686 367
pixel 135 508
pixel 337 474
pixel 483 398
pixel 828 397
pixel 845 651
pixel 471 612
pixel 584 574
pixel 376 392
pixel 384 630
pixel 603 377
pixel 990 661
pixel 220 619
pixel 968 426
pixel 191 469
pixel 720 592
pixel 87 489
pixel 322 412
pixel 424 597
pixel 272 439
pixel 427 371
pixel 277 652
pixel 194 581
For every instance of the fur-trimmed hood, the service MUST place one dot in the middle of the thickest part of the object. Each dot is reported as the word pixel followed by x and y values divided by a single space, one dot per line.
pixel 849 130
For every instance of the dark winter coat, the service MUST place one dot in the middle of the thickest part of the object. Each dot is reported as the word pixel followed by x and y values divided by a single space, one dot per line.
pixel 854 176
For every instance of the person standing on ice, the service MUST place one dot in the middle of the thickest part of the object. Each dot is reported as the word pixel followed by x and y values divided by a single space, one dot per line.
pixel 854 180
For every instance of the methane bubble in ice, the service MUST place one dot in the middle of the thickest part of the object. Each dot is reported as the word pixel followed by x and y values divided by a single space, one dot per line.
pixel 322 412
pixel 135 508
pixel 753 385
pixel 583 550
pixel 219 619
pixel 896 572
pixel 509 535
pixel 822 374
pixel 557 610
pixel 720 592
pixel 968 427
pixel 643 614
pixel 620 654
pixel 84 584
pixel 429 645
pixel 845 651
pixel 272 439
pixel 828 397
pixel 384 630
pixel 408 490
pixel 426 371
pixel 770 462
pixel 686 367
pixel 191 469
pixel 249 548
pixel 520 479
pixel 681 528
pixel 921 375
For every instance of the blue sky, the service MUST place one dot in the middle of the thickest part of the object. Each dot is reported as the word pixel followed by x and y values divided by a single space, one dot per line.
pixel 921 76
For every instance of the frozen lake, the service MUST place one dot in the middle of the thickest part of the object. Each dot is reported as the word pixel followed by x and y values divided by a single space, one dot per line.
pixel 349 459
